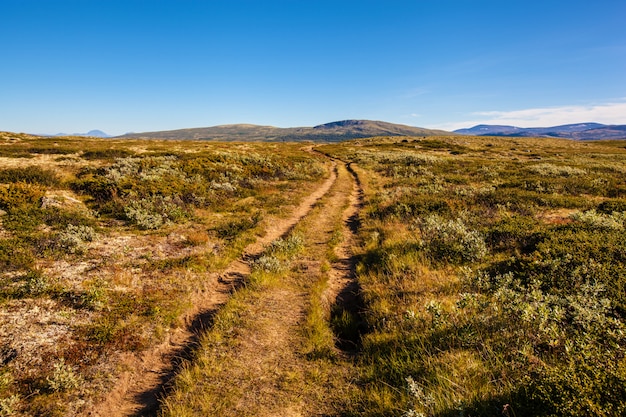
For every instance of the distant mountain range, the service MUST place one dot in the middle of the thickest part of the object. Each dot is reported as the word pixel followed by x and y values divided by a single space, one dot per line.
pixel 355 129
pixel 329 132
pixel 578 131
pixel 92 133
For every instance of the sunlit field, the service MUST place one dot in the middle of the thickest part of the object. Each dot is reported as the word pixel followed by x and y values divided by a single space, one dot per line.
pixel 487 276
pixel 493 273
pixel 104 243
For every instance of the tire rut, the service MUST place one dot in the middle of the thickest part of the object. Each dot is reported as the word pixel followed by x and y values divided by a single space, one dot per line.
pixel 343 292
pixel 148 375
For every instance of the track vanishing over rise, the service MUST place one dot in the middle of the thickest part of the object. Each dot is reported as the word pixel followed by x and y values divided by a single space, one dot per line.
pixel 272 351
pixel 148 373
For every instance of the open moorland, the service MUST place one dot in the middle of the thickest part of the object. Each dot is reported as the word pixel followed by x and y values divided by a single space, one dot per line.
pixel 390 276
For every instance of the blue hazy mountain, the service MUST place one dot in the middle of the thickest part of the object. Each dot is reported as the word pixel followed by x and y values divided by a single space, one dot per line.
pixel 578 131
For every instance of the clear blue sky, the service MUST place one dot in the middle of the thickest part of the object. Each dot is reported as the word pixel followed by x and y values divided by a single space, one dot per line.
pixel 140 65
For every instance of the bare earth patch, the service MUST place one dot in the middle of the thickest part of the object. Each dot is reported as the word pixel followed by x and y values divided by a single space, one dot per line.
pixel 560 216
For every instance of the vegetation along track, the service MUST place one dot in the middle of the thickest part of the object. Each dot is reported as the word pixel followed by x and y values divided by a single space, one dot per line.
pixel 343 293
pixel 271 351
pixel 491 274
pixel 153 374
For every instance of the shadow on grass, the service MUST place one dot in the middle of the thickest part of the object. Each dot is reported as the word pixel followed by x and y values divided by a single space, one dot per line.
pixel 150 399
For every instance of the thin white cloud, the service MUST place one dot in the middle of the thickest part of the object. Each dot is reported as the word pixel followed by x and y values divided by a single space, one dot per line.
pixel 607 113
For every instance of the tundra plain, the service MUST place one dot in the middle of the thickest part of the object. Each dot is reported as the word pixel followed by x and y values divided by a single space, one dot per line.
pixel 389 276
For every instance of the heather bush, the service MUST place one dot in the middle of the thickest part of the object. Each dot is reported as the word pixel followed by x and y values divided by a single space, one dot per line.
pixel 53 150
pixel 410 207
pixel 96 185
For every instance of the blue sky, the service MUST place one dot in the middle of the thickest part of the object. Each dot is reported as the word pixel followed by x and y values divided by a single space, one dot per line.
pixel 141 65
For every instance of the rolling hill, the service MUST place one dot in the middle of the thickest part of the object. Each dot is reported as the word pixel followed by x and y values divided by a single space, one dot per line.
pixel 329 132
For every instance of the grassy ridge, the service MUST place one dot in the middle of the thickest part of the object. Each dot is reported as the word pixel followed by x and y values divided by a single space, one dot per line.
pixel 494 276
pixel 330 132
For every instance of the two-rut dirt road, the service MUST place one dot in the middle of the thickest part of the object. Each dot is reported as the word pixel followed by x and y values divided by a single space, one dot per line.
pixel 268 350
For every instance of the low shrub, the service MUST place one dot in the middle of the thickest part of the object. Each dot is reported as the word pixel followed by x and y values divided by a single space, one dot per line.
pixel 143 217
pixel 59 218
pixel 286 248
pixel 15 255
pixel 73 238
pixel 29 175
pixel 279 253
pixel 23 220
pixel 512 233
pixel 451 241
pixel 153 212
pixel 35 284
pixel 94 297
pixel 611 206
pixel 564 357
pixel 9 405
pixel 63 378
pixel 411 207
pixel 52 150
pixel 442 144
pixel 110 153
pixel 601 221
pixel 551 170
pixel 232 229
pixel 19 195
pixel 268 263
pixel 98 187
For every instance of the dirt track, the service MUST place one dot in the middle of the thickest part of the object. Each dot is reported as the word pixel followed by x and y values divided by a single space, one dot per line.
pixel 138 389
